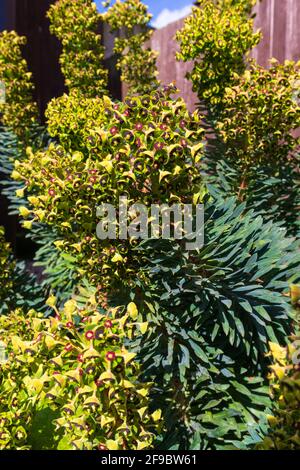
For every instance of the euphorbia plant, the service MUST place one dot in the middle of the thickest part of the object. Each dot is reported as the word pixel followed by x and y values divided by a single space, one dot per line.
pixel 136 62
pixel 76 25
pixel 20 127
pixel 211 312
pixel 217 36
pixel 18 111
pixel 76 366
pixel 262 111
pixel 147 149
pixel 250 112
pixel 256 153
pixel 19 117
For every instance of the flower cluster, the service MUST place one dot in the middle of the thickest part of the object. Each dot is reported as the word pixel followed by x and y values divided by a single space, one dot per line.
pixel 76 25
pixel 147 148
pixel 216 36
pixel 245 5
pixel 18 111
pixel 75 364
pixel 284 379
pixel 137 62
pixel 262 111
pixel 285 423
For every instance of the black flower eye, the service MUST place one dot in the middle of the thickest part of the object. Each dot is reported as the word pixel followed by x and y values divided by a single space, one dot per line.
pixel 90 370
pixel 116 141
pixel 91 141
pixel 108 112
pixel 139 166
pixel 129 103
pixel 68 411
pixel 103 180
pixel 122 167
pixel 90 189
pixel 119 369
pixel 145 101
pixel 128 135
pixel 30 352
pixel 144 112
pixel 77 184
pixel 99 333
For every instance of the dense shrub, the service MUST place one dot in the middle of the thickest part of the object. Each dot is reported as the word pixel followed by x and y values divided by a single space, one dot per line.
pixel 272 193
pixel 206 316
pixel 69 380
pixel 206 310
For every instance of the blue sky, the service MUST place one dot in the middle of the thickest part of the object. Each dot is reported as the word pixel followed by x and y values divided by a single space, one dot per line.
pixel 165 11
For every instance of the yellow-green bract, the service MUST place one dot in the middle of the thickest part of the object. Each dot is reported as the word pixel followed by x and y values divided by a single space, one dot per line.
pixel 75 369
